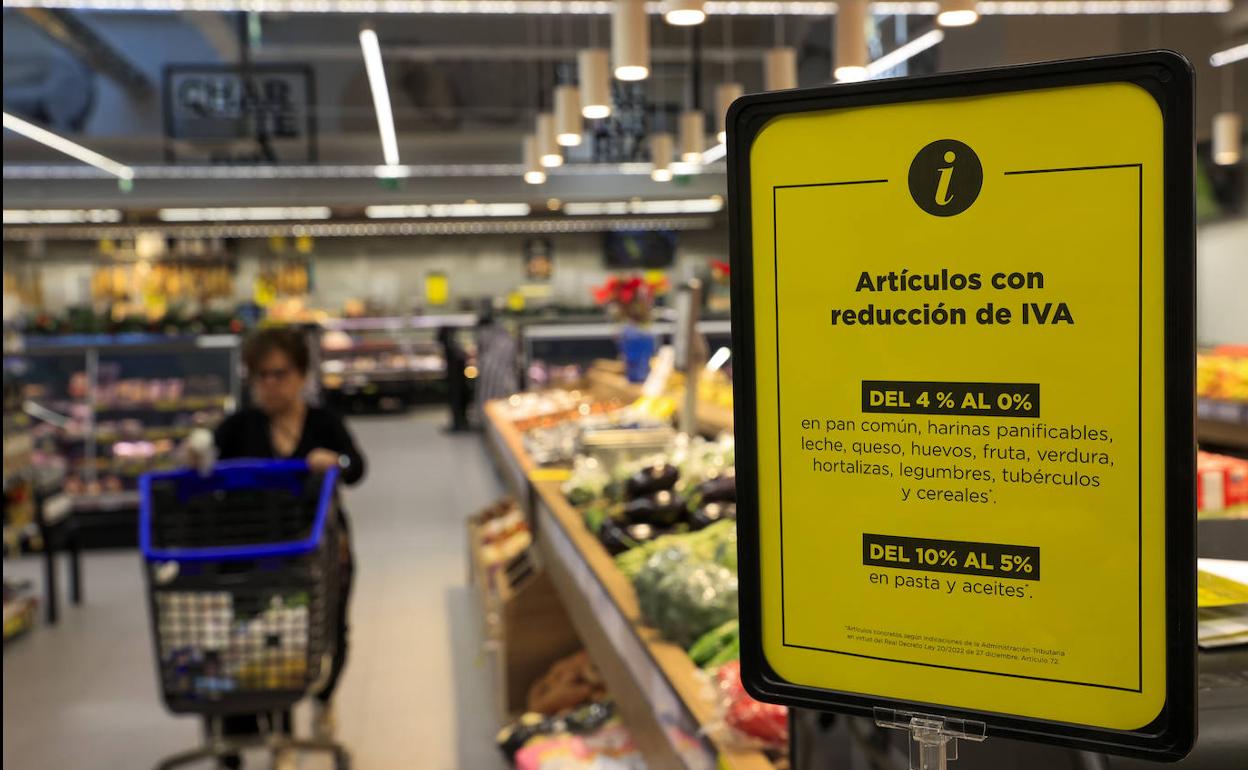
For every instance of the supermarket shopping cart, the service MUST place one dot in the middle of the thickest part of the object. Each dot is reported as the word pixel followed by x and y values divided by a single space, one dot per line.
pixel 242 575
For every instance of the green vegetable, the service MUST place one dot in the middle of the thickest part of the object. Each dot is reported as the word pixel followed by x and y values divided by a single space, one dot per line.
pixel 684 596
pixel 716 543
pixel 713 642
pixel 594 516
pixel 731 651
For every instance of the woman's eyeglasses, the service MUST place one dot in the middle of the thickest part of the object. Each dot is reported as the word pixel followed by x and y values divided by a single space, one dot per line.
pixel 271 375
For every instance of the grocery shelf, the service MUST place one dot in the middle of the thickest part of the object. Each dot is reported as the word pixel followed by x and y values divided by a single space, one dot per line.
pixel 188 404
pixel 658 690
pixel 397 323
pixel 1222 423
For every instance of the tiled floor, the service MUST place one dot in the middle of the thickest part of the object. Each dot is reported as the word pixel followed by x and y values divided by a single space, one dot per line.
pixel 82 695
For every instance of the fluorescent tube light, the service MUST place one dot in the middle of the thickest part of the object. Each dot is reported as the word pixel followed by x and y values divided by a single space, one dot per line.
pixel 72 149
pixel 381 95
pixel 905 52
pixel 421 211
pixel 60 216
pixel 245 214
pixel 1233 54
pixel 678 206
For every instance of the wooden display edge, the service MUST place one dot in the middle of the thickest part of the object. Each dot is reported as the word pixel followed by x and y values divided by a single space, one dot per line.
pixel 669 661
pixel 506 444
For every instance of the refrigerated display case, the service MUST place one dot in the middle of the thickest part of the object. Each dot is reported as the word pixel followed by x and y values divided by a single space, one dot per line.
pixel 105 409
pixel 387 363
pixel 561 353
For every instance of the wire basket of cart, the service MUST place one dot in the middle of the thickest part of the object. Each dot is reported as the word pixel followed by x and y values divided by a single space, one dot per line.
pixel 242 568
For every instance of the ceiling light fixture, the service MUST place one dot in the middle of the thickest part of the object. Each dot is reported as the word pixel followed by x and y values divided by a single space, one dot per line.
pixel 661 150
pixel 1230 55
pixel 444 210
pixel 603 7
pixel 1077 7
pixel 60 216
pixel 245 214
pixel 957 13
pixel 679 206
pixel 1227 138
pixel 534 173
pixel 692 136
pixel 549 154
pixel 684 13
pixel 851 41
pixel 72 149
pixel 779 69
pixel 381 95
pixel 362 228
pixel 725 95
pixel 64 172
pixel 630 40
pixel 594 72
pixel 568 115
pixel 905 52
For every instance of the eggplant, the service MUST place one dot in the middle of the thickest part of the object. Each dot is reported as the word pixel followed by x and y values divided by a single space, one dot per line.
pixel 613 537
pixel 663 509
pixel 722 489
pixel 618 537
pixel 711 513
pixel 657 478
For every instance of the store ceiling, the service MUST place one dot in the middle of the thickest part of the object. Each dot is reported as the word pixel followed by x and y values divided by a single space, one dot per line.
pixel 464 89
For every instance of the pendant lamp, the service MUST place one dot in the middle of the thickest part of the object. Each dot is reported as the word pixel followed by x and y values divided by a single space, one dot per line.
pixel 630 40
pixel 594 72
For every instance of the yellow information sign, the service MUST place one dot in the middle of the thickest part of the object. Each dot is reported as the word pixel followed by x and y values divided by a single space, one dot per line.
pixel 964 354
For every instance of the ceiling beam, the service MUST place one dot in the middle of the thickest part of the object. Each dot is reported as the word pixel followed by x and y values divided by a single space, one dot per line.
pixel 97 53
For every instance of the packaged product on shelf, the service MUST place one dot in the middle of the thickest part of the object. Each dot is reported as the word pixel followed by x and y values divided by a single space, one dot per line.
pixel 610 748
pixel 504 533
pixel 1221 484
pixel 585 720
pixel 570 682
pixel 1222 373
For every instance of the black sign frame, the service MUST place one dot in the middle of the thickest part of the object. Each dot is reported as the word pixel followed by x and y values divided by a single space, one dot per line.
pixel 1169 78
pixel 305 71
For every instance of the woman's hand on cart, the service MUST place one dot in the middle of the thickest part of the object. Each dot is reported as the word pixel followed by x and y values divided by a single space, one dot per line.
pixel 321 460
pixel 200 451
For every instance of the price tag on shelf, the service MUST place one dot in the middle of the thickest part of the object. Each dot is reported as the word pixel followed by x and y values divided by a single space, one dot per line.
pixel 966 468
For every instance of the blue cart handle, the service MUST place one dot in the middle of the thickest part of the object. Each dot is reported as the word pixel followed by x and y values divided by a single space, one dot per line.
pixel 224 474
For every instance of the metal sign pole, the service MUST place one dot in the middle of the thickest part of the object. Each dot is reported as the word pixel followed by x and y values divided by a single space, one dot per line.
pixel 690 356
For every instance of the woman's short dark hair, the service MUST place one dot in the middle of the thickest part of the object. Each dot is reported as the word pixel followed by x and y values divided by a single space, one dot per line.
pixel 285 340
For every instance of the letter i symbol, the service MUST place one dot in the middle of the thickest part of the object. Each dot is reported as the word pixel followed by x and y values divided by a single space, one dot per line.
pixel 943 196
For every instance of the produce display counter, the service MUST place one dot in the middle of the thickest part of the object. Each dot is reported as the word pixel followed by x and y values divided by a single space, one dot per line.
pixel 659 691
pixel 661 695
pixel 506 446
pixel 713 419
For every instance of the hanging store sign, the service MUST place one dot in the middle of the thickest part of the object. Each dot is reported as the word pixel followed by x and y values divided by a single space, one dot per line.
pixel 260 113
pixel 963 328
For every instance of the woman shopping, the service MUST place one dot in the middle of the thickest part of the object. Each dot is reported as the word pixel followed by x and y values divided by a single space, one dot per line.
pixel 282 425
